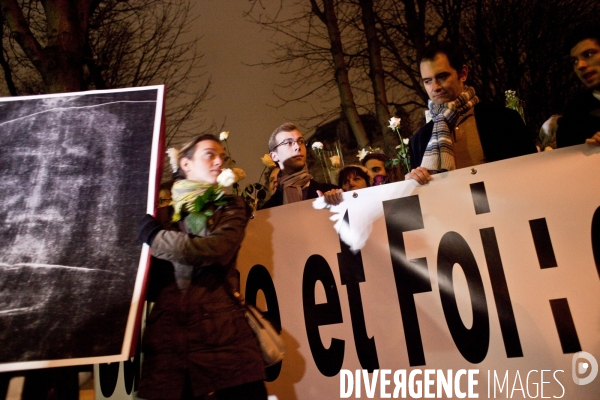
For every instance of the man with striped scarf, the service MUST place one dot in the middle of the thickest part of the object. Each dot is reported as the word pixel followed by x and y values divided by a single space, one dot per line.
pixel 464 131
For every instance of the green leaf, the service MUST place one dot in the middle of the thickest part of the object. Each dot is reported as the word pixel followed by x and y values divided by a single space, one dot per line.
pixel 199 203
pixel 196 222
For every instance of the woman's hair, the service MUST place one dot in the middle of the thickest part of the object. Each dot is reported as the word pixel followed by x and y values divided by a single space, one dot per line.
pixel 392 172
pixel 352 170
pixel 188 150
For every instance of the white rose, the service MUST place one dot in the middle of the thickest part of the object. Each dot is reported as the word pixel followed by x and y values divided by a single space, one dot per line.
pixel 335 161
pixel 173 158
pixel 226 178
pixel 405 141
pixel 394 122
pixel 362 154
pixel 223 135
pixel 317 145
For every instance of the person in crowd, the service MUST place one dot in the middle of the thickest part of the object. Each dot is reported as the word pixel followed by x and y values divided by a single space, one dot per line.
pixel 375 164
pixel 464 131
pixel 197 340
pixel 271 180
pixel 353 177
pixel 581 119
pixel 287 148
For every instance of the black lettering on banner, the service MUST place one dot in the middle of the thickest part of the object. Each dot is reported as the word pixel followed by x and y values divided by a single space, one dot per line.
pixel 596 238
pixel 480 200
pixel 131 372
pixel 131 367
pixel 411 276
pixel 508 324
pixel 472 343
pixel 352 272
pixel 328 361
pixel 260 279
pixel 567 334
pixel 109 374
pixel 543 243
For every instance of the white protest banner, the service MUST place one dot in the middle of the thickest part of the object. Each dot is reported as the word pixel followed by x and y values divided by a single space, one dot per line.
pixel 483 283
pixel 485 278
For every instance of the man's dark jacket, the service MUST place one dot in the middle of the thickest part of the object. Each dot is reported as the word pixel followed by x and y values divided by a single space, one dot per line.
pixel 580 121
pixel 501 131
pixel 309 193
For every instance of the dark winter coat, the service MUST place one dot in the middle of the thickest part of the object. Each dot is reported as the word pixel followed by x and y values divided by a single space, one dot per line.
pixel 580 121
pixel 200 331
pixel 309 193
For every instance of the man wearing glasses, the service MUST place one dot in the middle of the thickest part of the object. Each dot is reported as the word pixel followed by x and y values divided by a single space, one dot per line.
pixel 288 149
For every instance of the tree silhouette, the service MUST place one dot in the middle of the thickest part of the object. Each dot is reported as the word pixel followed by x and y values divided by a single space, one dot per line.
pixel 55 46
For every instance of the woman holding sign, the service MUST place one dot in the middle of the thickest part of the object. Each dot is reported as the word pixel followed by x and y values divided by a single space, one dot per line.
pixel 196 340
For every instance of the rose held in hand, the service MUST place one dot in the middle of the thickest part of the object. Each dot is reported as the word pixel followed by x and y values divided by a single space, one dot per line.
pixel 226 178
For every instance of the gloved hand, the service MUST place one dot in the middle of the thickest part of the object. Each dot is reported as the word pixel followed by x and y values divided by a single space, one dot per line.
pixel 148 229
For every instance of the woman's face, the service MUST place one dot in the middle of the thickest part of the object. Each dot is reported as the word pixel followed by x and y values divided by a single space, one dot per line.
pixel 206 163
pixel 353 182
pixel 273 182
pixel 375 167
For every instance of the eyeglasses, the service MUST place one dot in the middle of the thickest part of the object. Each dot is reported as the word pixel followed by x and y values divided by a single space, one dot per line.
pixel 289 143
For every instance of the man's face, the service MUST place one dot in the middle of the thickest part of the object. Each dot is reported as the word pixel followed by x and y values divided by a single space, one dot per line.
pixel 290 157
pixel 442 82
pixel 375 167
pixel 585 57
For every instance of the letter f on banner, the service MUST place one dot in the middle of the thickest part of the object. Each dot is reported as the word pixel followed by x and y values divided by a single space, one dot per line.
pixel 411 276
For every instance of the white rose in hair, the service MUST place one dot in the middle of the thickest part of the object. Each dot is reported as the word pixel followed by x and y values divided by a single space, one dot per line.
pixel 223 135
pixel 362 154
pixel 226 178
pixel 173 158
pixel 317 145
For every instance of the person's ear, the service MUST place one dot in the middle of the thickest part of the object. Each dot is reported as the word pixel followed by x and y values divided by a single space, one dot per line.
pixel 274 156
pixel 463 74
pixel 184 165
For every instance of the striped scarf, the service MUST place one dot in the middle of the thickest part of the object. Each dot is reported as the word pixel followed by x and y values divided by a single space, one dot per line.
pixel 184 193
pixel 439 155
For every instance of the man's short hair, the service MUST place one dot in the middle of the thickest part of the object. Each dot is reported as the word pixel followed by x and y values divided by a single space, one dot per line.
pixel 454 54
pixel 582 33
pixel 285 127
